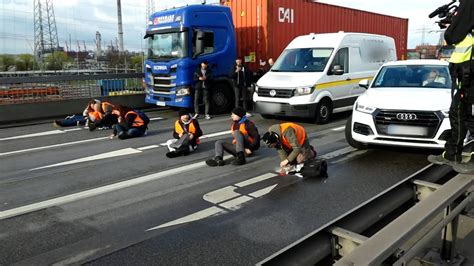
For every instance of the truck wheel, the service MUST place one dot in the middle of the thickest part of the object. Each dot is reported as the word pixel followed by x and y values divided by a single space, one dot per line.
pixel 323 111
pixel 222 99
pixel 354 143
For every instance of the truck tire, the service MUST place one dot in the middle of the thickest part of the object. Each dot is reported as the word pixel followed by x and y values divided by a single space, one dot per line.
pixel 323 111
pixel 354 143
pixel 221 98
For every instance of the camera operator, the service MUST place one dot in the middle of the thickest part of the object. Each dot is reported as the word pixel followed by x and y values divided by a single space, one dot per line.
pixel 460 33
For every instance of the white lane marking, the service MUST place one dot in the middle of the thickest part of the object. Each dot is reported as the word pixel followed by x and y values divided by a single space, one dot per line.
pixel 156 118
pixel 72 129
pixel 148 147
pixel 215 134
pixel 98 191
pixel 339 152
pixel 191 218
pixel 122 152
pixel 225 199
pixel 339 128
pixel 52 146
pixel 39 134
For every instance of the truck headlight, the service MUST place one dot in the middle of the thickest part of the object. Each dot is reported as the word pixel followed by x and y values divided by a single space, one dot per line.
pixel 364 109
pixel 304 90
pixel 183 91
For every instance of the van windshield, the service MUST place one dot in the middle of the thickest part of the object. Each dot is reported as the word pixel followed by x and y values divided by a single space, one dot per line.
pixel 303 60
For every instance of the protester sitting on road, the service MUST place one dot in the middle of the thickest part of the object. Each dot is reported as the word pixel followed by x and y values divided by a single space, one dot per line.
pixel 80 120
pixel 107 115
pixel 291 142
pixel 246 140
pixel 186 135
pixel 130 124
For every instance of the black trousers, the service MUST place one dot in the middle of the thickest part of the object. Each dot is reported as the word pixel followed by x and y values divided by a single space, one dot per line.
pixel 240 90
pixel 461 120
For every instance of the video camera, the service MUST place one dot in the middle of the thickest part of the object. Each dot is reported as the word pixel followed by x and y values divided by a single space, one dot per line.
pixel 445 13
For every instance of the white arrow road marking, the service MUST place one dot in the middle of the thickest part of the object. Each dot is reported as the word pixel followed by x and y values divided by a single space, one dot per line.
pixel 106 155
pixel 100 190
pixel 226 200
pixel 52 146
pixel 72 129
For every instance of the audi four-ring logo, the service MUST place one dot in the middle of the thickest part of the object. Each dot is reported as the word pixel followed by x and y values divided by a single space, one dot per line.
pixel 273 93
pixel 406 116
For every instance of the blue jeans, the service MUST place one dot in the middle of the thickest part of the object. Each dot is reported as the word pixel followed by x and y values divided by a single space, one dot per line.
pixel 71 121
pixel 133 132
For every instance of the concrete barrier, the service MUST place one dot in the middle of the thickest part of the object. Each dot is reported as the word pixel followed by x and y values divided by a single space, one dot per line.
pixel 24 112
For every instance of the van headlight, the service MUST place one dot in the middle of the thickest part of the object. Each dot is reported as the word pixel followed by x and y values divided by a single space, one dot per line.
pixel 256 88
pixel 183 91
pixel 364 109
pixel 304 90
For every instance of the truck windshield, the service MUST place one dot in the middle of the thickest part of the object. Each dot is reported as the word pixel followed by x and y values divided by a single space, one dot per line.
pixel 413 76
pixel 303 60
pixel 165 46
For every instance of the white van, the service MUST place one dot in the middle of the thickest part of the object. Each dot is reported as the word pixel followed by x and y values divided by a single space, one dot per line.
pixel 319 74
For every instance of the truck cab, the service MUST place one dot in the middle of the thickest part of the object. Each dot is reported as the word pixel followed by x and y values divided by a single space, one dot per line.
pixel 178 40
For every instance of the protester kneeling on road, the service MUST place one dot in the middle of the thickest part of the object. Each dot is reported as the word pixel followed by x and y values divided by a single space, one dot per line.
pixel 291 142
pixel 107 115
pixel 186 135
pixel 130 124
pixel 246 140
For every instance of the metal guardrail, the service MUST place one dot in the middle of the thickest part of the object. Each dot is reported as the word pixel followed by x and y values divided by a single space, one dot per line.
pixel 15 90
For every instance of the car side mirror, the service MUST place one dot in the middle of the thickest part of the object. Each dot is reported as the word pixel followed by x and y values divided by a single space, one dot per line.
pixel 364 83
pixel 337 70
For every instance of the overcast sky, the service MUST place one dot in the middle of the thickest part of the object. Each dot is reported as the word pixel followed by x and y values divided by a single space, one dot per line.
pixel 78 20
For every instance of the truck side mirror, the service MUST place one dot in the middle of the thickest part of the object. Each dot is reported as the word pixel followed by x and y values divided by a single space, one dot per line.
pixel 199 43
pixel 364 83
pixel 337 70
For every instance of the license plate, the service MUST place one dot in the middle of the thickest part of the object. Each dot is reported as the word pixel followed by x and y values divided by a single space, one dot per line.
pixel 270 108
pixel 160 103
pixel 407 130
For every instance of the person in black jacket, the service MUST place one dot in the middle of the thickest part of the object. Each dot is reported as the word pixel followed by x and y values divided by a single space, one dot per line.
pixel 460 33
pixel 241 76
pixel 129 125
pixel 203 82
pixel 186 135
pixel 246 140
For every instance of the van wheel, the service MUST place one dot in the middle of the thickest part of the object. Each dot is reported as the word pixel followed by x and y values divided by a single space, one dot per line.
pixel 354 143
pixel 221 99
pixel 323 111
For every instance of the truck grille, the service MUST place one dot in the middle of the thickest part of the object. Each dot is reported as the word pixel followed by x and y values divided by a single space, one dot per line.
pixel 279 93
pixel 164 82
pixel 428 121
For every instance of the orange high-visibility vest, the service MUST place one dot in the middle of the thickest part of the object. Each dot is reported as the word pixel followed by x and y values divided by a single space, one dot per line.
pixel 242 130
pixel 299 131
pixel 180 129
pixel 138 122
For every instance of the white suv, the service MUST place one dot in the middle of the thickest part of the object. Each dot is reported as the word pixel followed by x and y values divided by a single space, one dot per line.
pixel 407 104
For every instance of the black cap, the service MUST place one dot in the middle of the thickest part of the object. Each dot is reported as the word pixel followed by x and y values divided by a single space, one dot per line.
pixel 205 62
pixel 270 137
pixel 239 111
pixel 182 112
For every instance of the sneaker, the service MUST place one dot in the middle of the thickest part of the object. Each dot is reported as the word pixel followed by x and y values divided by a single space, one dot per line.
pixel 440 160
pixel 207 117
pixel 464 168
pixel 56 123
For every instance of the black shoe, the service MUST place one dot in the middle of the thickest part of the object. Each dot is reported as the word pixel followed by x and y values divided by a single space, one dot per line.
pixel 239 159
pixel 56 123
pixel 122 135
pixel 215 162
pixel 172 154
pixel 92 126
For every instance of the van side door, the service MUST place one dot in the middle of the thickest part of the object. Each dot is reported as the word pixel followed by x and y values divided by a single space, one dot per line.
pixel 341 87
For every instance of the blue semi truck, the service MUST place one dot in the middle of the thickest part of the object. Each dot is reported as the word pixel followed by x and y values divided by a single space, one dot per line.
pixel 178 40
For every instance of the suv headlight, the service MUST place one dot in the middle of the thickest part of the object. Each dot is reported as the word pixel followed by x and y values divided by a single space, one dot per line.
pixel 445 113
pixel 304 90
pixel 364 109
pixel 183 91
pixel 256 88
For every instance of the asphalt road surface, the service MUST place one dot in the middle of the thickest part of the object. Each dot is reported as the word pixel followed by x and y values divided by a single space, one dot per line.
pixel 71 196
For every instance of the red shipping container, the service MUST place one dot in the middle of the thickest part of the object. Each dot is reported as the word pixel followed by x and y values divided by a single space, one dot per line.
pixel 265 27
